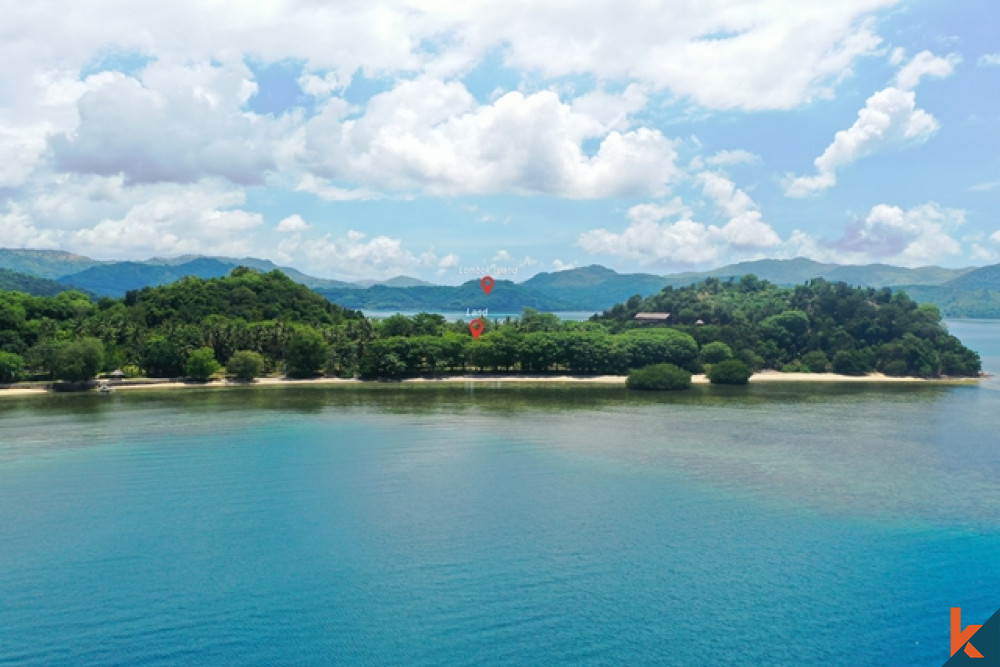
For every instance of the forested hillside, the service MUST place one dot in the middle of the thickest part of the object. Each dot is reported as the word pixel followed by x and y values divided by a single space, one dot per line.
pixel 852 330
pixel 22 282
pixel 155 330
pixel 268 323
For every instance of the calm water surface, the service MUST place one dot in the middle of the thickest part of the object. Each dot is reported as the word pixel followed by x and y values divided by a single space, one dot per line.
pixel 500 524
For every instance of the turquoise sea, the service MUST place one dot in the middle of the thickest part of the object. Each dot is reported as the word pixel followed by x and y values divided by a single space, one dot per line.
pixel 501 524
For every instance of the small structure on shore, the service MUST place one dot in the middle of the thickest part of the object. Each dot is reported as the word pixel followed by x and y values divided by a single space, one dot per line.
pixel 117 375
pixel 652 317
pixel 699 323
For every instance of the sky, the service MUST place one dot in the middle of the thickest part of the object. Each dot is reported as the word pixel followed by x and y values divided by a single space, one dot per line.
pixel 363 140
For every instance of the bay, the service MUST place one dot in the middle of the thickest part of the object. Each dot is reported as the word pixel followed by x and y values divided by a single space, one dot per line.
pixel 500 524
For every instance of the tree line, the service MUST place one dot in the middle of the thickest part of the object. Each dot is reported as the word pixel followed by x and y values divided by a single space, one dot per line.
pixel 251 323
pixel 812 327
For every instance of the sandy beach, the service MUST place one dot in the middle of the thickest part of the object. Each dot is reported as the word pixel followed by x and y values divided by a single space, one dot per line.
pixel 761 377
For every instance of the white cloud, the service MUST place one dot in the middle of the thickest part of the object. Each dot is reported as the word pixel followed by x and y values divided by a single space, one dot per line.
pixel 155 159
pixel 502 256
pixel 650 242
pixel 293 223
pixel 101 217
pixel 745 228
pixel 559 265
pixel 18 230
pixel 989 60
pixel 761 54
pixel 21 149
pixel 754 54
pixel 433 136
pixel 985 187
pixel 662 234
pixel 177 124
pixel 611 110
pixel 172 221
pixel 356 256
pixel 321 86
pixel 980 254
pixel 327 192
pixel 995 237
pixel 724 158
pixel 924 64
pixel 890 119
pixel 917 236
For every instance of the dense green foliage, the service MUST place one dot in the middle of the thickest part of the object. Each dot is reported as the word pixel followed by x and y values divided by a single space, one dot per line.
pixel 172 330
pixel 74 361
pixel 305 353
pixel 815 362
pixel 201 364
pixel 245 365
pixel 859 330
pixel 731 371
pixel 714 352
pixel 22 282
pixel 11 367
pixel 659 377
pixel 156 330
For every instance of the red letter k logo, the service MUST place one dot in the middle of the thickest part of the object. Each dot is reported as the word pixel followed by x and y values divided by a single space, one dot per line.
pixel 960 637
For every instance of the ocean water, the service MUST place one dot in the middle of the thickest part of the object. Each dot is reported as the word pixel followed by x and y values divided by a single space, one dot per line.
pixel 500 524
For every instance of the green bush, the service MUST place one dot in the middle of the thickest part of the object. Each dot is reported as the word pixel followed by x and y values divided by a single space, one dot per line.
pixel 245 365
pixel 732 371
pixel 751 359
pixel 11 367
pixel 306 353
pixel 852 362
pixel 715 352
pixel 896 368
pixel 161 357
pixel 659 377
pixel 78 361
pixel 795 367
pixel 816 361
pixel 201 364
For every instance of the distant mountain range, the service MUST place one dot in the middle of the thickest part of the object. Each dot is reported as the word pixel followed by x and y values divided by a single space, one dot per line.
pixel 117 278
pixel 968 292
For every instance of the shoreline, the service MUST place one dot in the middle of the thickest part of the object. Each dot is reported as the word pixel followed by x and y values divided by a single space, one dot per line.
pixel 767 377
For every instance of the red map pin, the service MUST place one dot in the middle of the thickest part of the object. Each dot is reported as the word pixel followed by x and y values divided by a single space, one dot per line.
pixel 476 327
pixel 487 284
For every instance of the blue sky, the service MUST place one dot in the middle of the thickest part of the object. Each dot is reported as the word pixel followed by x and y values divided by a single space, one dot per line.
pixel 358 140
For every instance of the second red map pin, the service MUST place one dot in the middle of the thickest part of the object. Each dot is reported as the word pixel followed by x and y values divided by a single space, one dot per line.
pixel 487 284
pixel 476 327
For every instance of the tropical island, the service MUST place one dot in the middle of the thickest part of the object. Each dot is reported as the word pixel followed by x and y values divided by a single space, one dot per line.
pixel 251 324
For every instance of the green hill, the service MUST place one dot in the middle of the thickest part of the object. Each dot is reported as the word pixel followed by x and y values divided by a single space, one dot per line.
pixel 799 270
pixel 117 278
pixel 974 294
pixel 262 265
pixel 22 282
pixel 506 297
pixel 51 264
pixel 593 287
pixel 812 327
pixel 245 294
